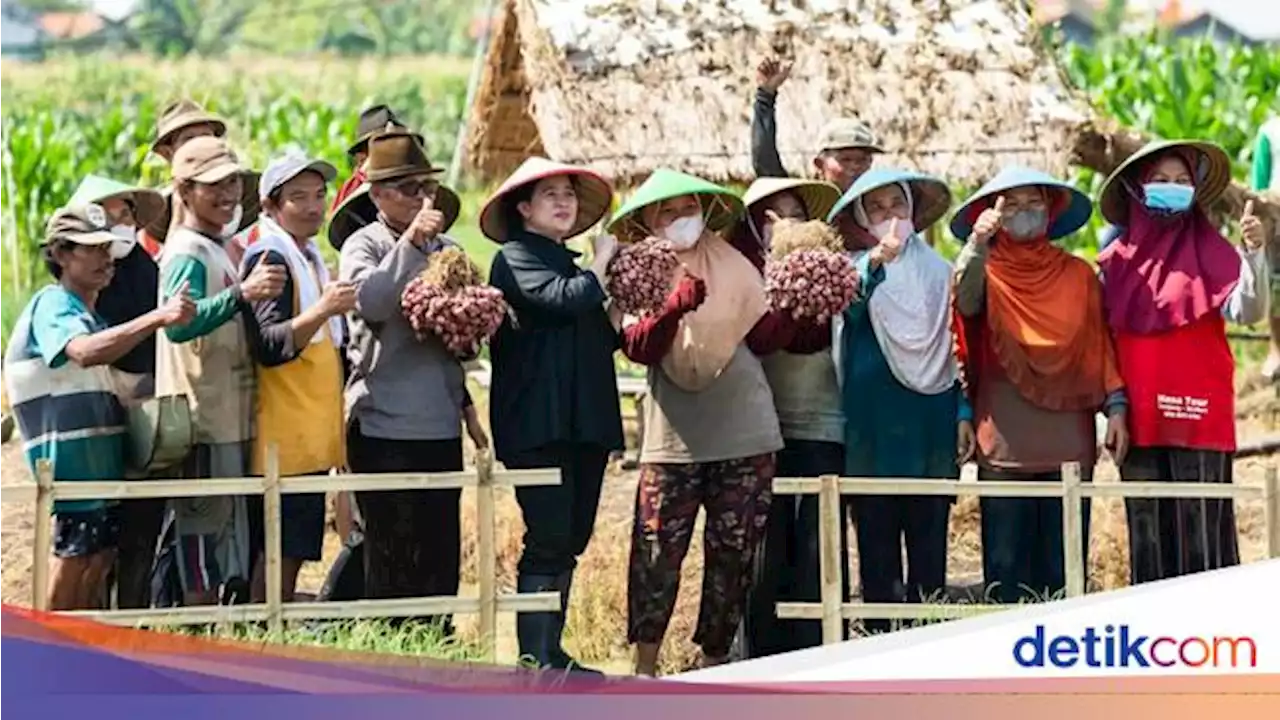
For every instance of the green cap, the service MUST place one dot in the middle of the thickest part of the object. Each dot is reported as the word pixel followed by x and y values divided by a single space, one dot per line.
pixel 721 205
pixel 96 189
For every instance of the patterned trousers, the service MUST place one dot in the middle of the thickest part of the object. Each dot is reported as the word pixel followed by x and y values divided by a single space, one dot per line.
pixel 736 495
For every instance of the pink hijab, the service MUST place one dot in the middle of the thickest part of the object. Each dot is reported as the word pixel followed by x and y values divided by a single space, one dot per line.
pixel 1164 272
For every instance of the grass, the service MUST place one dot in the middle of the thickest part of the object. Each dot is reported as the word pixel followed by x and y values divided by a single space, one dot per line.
pixel 415 639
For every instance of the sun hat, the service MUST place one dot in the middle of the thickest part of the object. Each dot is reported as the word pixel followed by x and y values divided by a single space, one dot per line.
pixel 183 114
pixel 147 204
pixel 81 223
pixel 394 153
pixel 207 160
pixel 930 196
pixel 357 210
pixel 595 194
pixel 817 196
pixel 373 119
pixel 292 163
pixel 1070 220
pixel 721 205
pixel 1212 176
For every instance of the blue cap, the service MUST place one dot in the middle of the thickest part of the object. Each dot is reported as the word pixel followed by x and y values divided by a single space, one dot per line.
pixel 1071 220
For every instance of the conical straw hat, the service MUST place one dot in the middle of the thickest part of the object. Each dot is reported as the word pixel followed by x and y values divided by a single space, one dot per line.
pixel 594 196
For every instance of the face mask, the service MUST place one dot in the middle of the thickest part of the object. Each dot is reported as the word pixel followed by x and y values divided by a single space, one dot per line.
pixel 230 228
pixel 128 238
pixel 684 233
pixel 1027 224
pixel 904 231
pixel 1168 197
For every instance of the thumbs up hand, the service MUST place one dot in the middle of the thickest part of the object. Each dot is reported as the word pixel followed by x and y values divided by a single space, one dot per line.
pixel 889 246
pixel 426 224
pixel 1251 228
pixel 989 222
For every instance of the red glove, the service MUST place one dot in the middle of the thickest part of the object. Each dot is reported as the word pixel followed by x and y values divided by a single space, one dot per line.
pixel 687 296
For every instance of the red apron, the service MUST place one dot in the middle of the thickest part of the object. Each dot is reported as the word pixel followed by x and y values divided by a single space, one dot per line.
pixel 1181 386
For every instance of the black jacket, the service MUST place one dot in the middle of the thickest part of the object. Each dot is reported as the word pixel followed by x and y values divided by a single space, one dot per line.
pixel 552 358
pixel 132 292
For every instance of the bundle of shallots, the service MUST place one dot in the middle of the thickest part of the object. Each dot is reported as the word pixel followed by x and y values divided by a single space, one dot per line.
pixel 640 276
pixel 450 300
pixel 808 272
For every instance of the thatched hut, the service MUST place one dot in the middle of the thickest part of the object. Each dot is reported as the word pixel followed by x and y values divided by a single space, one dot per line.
pixel 957 88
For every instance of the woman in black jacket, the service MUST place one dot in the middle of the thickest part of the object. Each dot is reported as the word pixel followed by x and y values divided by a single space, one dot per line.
pixel 554 396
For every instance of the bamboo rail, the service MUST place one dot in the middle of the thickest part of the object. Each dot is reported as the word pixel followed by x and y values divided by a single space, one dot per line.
pixel 833 609
pixel 486 603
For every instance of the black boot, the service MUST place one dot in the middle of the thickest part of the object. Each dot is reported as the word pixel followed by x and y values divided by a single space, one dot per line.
pixel 538 633
pixel 563 660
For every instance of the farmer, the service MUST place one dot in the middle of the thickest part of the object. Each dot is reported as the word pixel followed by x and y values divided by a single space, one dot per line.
pixel 1170 281
pixel 845 149
pixel 405 397
pixel 208 361
pixel 64 398
pixel 802 378
pixel 372 119
pixel 1039 364
pixel 1266 176
pixel 710 426
pixel 554 400
pixel 899 382
pixel 131 294
pixel 299 403
pixel 179 123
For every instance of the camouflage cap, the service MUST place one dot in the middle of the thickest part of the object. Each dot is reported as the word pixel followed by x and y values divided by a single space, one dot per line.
pixel 847 133
pixel 83 224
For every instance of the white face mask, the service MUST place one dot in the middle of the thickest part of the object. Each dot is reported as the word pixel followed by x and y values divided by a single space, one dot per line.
pixel 230 228
pixel 128 239
pixel 904 230
pixel 684 233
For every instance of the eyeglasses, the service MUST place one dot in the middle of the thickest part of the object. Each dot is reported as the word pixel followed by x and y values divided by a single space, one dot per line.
pixel 414 188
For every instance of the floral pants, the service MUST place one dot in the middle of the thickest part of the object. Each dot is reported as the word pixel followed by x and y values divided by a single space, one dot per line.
pixel 736 495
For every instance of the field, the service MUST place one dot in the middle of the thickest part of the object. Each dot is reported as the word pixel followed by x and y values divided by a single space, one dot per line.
pixel 73 116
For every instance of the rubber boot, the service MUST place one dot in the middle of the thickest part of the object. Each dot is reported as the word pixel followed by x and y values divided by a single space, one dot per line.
pixel 564 583
pixel 538 633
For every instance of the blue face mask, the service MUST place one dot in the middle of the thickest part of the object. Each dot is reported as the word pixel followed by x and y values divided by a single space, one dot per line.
pixel 1168 197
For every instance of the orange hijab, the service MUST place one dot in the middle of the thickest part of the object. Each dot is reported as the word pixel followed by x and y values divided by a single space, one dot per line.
pixel 1047 328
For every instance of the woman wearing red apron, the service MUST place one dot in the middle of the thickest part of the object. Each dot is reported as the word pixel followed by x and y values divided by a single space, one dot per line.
pixel 1171 282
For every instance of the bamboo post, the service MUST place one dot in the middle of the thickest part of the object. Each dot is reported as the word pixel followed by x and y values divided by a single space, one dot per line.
pixel 272 549
pixel 829 552
pixel 487 562
pixel 1273 512
pixel 1072 530
pixel 473 83
pixel 41 548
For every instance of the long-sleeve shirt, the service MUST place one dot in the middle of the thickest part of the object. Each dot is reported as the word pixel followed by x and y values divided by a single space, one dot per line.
pixel 764 136
pixel 400 388
pixel 131 294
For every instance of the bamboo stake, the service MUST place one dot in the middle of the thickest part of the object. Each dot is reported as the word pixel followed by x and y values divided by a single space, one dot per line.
pixel 1072 530
pixel 829 552
pixel 273 548
pixel 488 555
pixel 42 547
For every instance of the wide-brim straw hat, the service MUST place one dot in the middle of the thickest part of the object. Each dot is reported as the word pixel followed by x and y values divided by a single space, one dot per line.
pixel 1212 176
pixel 250 206
pixel 720 206
pixel 595 195
pixel 817 196
pixel 1075 216
pixel 184 114
pixel 358 210
pixel 929 196
pixel 148 205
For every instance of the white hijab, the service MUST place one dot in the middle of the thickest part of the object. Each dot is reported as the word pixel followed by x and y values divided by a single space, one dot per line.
pixel 910 313
pixel 305 270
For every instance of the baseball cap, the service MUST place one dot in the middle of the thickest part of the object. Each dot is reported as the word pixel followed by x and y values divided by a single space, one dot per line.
pixel 847 133
pixel 206 160
pixel 288 166
pixel 83 224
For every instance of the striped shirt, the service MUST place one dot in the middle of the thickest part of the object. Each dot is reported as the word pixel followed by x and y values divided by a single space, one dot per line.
pixel 65 412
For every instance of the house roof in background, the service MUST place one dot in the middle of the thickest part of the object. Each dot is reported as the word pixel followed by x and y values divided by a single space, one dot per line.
pixel 70 25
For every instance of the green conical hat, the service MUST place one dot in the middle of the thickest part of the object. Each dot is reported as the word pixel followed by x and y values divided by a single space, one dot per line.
pixel 721 205
pixel 147 204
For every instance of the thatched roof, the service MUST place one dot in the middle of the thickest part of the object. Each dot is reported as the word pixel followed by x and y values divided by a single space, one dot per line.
pixel 953 87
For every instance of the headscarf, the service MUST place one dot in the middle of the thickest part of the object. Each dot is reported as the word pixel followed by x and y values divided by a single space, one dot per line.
pixel 910 311
pixel 1044 317
pixel 1165 272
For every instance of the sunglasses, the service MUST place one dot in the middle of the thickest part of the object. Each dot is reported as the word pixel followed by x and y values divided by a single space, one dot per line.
pixel 414 188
